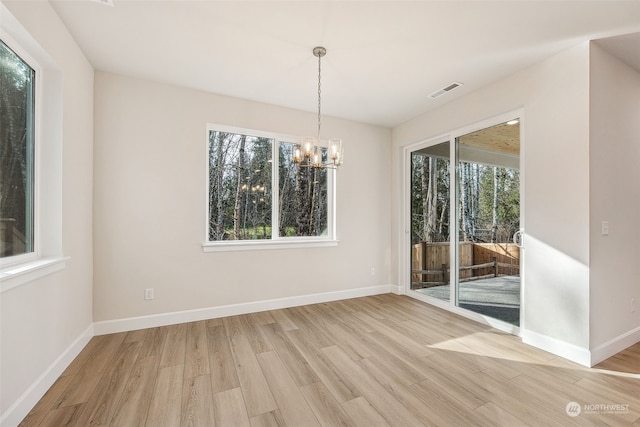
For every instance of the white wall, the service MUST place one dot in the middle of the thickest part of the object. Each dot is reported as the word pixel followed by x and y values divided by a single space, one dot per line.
pixel 615 197
pixel 555 97
pixel 41 320
pixel 150 195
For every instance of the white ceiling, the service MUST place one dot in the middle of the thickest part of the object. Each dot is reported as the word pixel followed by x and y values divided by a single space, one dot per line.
pixel 383 58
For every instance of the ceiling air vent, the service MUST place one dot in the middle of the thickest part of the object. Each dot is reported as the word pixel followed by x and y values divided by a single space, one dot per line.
pixel 448 88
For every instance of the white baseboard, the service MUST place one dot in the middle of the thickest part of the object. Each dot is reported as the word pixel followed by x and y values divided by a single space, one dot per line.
pixel 164 319
pixel 563 349
pixel 21 407
pixel 614 346
pixel 397 289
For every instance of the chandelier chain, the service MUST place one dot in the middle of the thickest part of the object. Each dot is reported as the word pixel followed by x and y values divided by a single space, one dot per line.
pixel 319 95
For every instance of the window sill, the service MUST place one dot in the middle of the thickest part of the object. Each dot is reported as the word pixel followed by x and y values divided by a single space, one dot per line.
pixel 230 246
pixel 12 276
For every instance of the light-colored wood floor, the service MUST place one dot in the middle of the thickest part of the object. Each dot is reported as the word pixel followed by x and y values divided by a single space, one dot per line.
pixel 386 360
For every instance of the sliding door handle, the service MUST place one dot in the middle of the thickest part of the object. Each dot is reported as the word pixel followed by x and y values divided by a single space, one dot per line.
pixel 518 238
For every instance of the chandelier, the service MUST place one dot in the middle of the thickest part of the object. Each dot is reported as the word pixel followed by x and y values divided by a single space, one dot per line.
pixel 309 153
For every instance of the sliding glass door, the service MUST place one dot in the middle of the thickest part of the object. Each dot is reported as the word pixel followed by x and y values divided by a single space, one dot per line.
pixel 430 210
pixel 485 168
pixel 488 186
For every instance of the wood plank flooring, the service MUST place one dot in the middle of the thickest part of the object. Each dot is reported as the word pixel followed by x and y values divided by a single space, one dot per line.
pixel 385 360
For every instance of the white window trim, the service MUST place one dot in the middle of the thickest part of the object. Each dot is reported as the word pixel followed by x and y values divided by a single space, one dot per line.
pixel 19 274
pixel 47 256
pixel 330 239
pixel 253 245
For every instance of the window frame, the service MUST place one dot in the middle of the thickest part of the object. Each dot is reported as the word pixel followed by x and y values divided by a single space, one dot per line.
pixel 46 256
pixel 276 241
pixel 34 150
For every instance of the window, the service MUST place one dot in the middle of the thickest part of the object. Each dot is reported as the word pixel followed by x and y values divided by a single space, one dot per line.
pixel 257 194
pixel 17 101
pixel 303 196
pixel 239 187
pixel 31 109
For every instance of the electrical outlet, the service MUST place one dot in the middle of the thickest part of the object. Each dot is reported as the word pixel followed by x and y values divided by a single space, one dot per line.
pixel 633 305
pixel 148 293
pixel 373 271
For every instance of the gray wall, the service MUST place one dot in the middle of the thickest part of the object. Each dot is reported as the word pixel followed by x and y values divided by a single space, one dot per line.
pixel 42 319
pixel 615 197
pixel 554 95
pixel 150 205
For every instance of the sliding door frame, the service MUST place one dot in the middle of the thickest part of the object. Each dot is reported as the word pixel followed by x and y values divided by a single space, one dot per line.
pixel 405 240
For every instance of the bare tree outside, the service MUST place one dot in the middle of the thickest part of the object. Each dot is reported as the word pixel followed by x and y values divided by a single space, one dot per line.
pixel 241 202
pixel 17 82
pixel 305 212
pixel 429 198
pixel 239 187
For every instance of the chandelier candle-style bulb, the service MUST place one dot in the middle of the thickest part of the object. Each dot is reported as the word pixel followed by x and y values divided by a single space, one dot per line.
pixel 316 159
pixel 335 151
pixel 308 144
pixel 297 155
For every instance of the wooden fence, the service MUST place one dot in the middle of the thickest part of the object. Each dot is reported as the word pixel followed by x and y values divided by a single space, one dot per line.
pixel 430 262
